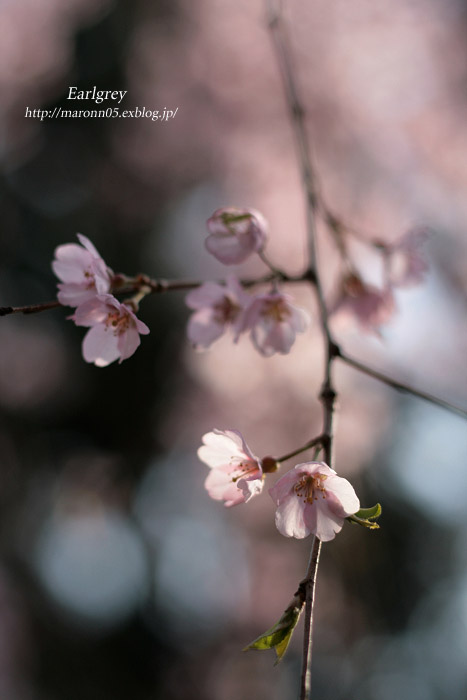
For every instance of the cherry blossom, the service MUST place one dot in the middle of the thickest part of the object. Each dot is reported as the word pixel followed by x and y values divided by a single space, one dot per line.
pixel 405 263
pixel 114 330
pixel 312 499
pixel 371 306
pixel 236 474
pixel 217 308
pixel 235 234
pixel 274 322
pixel 82 271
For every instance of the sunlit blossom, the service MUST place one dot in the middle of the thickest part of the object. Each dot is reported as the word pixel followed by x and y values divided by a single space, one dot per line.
pixel 274 322
pixel 235 234
pixel 114 330
pixel 312 499
pixel 82 271
pixel 217 308
pixel 236 474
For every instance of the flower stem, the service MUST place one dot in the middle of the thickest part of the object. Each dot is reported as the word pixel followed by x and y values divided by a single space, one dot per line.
pixel 309 584
pixel 319 440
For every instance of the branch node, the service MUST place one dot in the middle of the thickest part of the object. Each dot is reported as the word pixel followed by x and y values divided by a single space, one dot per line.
pixel 310 276
pixel 334 350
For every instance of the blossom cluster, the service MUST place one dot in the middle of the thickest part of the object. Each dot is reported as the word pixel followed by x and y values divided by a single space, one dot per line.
pixel 270 317
pixel 311 498
pixel 86 284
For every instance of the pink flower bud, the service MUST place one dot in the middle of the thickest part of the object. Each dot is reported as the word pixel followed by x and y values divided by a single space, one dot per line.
pixel 235 234
pixel 236 474
pixel 312 499
pixel 82 271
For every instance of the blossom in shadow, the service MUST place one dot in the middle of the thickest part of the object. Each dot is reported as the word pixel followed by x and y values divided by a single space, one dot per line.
pixel 114 330
pixel 274 322
pixel 82 271
pixel 217 307
pixel 369 305
pixel 405 263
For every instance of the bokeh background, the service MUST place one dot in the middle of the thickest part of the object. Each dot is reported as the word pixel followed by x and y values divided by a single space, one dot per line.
pixel 119 578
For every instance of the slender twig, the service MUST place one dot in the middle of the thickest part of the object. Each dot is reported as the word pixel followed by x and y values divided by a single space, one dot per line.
pixel 309 583
pixel 31 309
pixel 276 271
pixel 328 395
pixel 400 386
pixel 159 287
pixel 295 105
pixel 319 440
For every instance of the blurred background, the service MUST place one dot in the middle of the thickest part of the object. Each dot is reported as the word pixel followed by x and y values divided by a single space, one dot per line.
pixel 119 577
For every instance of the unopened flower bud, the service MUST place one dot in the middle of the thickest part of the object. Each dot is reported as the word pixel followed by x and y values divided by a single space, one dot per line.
pixel 269 465
pixel 235 234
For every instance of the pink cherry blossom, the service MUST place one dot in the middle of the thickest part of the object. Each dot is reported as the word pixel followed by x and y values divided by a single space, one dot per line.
pixel 405 263
pixel 312 499
pixel 236 474
pixel 82 271
pixel 114 330
pixel 235 234
pixel 371 306
pixel 274 322
pixel 217 308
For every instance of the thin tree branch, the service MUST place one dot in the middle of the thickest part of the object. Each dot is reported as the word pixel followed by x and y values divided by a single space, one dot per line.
pixel 309 584
pixel 31 309
pixel 328 394
pixel 297 113
pixel 160 287
pixel 400 386
pixel 319 440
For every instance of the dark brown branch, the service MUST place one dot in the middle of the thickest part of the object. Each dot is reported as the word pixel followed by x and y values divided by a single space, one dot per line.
pixel 328 394
pixel 158 287
pixel 31 309
pixel 297 114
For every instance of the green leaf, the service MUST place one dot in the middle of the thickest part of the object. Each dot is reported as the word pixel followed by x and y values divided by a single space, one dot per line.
pixel 279 635
pixel 367 516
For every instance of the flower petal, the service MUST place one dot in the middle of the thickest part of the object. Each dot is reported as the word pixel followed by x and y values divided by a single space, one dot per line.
pixel 250 487
pixel 202 329
pixel 290 519
pixel 325 524
pixel 341 496
pixel 100 346
pixel 221 487
pixel 208 294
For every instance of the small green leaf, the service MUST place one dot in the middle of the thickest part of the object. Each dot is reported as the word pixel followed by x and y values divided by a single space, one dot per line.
pixel 279 635
pixel 366 517
pixel 370 513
